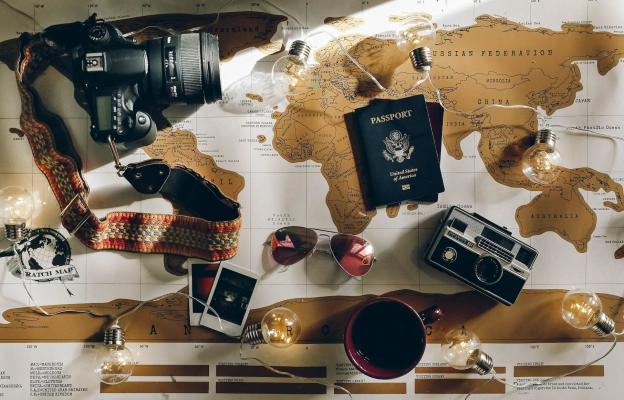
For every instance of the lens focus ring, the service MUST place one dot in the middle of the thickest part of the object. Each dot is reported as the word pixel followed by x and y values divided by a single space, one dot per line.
pixel 488 270
pixel 190 64
pixel 184 69
pixel 210 67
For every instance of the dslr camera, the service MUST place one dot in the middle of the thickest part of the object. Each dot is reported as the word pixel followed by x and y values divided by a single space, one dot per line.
pixel 121 78
pixel 481 254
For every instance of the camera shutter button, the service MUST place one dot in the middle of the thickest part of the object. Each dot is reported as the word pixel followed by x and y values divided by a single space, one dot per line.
pixel 142 120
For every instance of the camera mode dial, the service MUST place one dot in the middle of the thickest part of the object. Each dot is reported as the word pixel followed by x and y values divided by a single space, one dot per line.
pixel 98 34
pixel 488 270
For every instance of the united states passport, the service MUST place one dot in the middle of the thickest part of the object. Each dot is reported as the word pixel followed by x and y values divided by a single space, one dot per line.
pixel 399 155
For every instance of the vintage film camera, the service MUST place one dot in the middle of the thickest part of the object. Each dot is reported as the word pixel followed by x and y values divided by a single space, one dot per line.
pixel 481 254
pixel 119 76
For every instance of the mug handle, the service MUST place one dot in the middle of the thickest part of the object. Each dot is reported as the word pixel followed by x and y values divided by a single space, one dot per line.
pixel 431 315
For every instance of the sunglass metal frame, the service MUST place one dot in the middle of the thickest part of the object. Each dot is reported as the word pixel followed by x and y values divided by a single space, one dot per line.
pixel 331 252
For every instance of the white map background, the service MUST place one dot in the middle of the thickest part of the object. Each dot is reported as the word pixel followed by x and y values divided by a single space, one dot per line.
pixel 278 193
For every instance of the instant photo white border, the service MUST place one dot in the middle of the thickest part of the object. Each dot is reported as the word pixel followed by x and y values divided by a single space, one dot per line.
pixel 212 322
pixel 195 318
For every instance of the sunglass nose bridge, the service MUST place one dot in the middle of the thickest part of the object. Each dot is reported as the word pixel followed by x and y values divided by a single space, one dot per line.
pixel 323 251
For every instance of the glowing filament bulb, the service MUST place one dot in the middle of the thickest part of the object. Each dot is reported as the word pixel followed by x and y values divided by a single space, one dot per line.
pixel 16 205
pixel 280 328
pixel 291 73
pixel 462 350
pixel 583 310
pixel 113 363
pixel 542 162
pixel 298 73
pixel 415 32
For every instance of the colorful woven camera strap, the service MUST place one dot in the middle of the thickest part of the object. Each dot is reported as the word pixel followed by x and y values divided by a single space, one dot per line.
pixel 212 235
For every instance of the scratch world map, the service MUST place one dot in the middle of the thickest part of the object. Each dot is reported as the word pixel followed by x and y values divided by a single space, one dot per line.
pixel 294 161
pixel 470 74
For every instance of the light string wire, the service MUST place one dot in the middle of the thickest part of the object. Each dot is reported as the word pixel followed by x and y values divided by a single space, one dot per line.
pixel 467 113
pixel 379 85
pixel 387 90
pixel 287 14
pixel 175 32
pixel 577 128
pixel 168 30
pixel 437 91
pixel 141 304
pixel 545 381
pixel 478 389
pixel 116 317
pixel 374 79
pixel 20 12
pixel 535 110
pixel 267 366
pixel 357 64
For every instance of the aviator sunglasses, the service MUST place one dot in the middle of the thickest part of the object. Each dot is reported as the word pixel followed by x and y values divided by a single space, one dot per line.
pixel 292 244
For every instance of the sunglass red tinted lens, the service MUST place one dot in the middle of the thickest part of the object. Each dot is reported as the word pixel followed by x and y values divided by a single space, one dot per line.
pixel 292 244
pixel 355 255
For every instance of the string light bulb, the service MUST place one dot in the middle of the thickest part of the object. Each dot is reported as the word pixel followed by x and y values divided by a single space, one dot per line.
pixel 114 363
pixel 542 162
pixel 462 350
pixel 415 36
pixel 16 207
pixel 291 73
pixel 280 328
pixel 583 310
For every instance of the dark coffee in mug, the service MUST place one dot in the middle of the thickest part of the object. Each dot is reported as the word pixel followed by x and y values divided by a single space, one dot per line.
pixel 388 335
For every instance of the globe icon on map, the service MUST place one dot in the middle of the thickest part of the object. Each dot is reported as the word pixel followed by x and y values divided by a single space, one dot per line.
pixel 44 248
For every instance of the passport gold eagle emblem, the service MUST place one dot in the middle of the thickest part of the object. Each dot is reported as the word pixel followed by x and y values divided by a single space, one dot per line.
pixel 397 145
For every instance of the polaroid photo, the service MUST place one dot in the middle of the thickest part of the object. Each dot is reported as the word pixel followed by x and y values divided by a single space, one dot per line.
pixel 201 276
pixel 231 296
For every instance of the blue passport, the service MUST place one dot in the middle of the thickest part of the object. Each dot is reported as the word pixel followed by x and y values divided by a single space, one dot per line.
pixel 398 152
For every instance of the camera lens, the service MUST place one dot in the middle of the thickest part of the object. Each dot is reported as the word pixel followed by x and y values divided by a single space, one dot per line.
pixel 488 269
pixel 184 69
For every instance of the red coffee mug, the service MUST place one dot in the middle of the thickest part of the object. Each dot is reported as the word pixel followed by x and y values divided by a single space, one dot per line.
pixel 385 338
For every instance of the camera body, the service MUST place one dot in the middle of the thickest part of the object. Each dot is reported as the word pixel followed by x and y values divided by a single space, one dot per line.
pixel 120 77
pixel 111 70
pixel 481 254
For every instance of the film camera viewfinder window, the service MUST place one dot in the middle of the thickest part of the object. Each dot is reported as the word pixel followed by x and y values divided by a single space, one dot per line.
pixel 459 225
pixel 525 257
pixel 497 238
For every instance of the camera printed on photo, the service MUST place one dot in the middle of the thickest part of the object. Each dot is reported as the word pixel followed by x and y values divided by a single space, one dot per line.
pixel 232 296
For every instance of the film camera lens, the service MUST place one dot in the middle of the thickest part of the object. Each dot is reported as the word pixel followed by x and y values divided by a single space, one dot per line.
pixel 488 269
pixel 184 68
